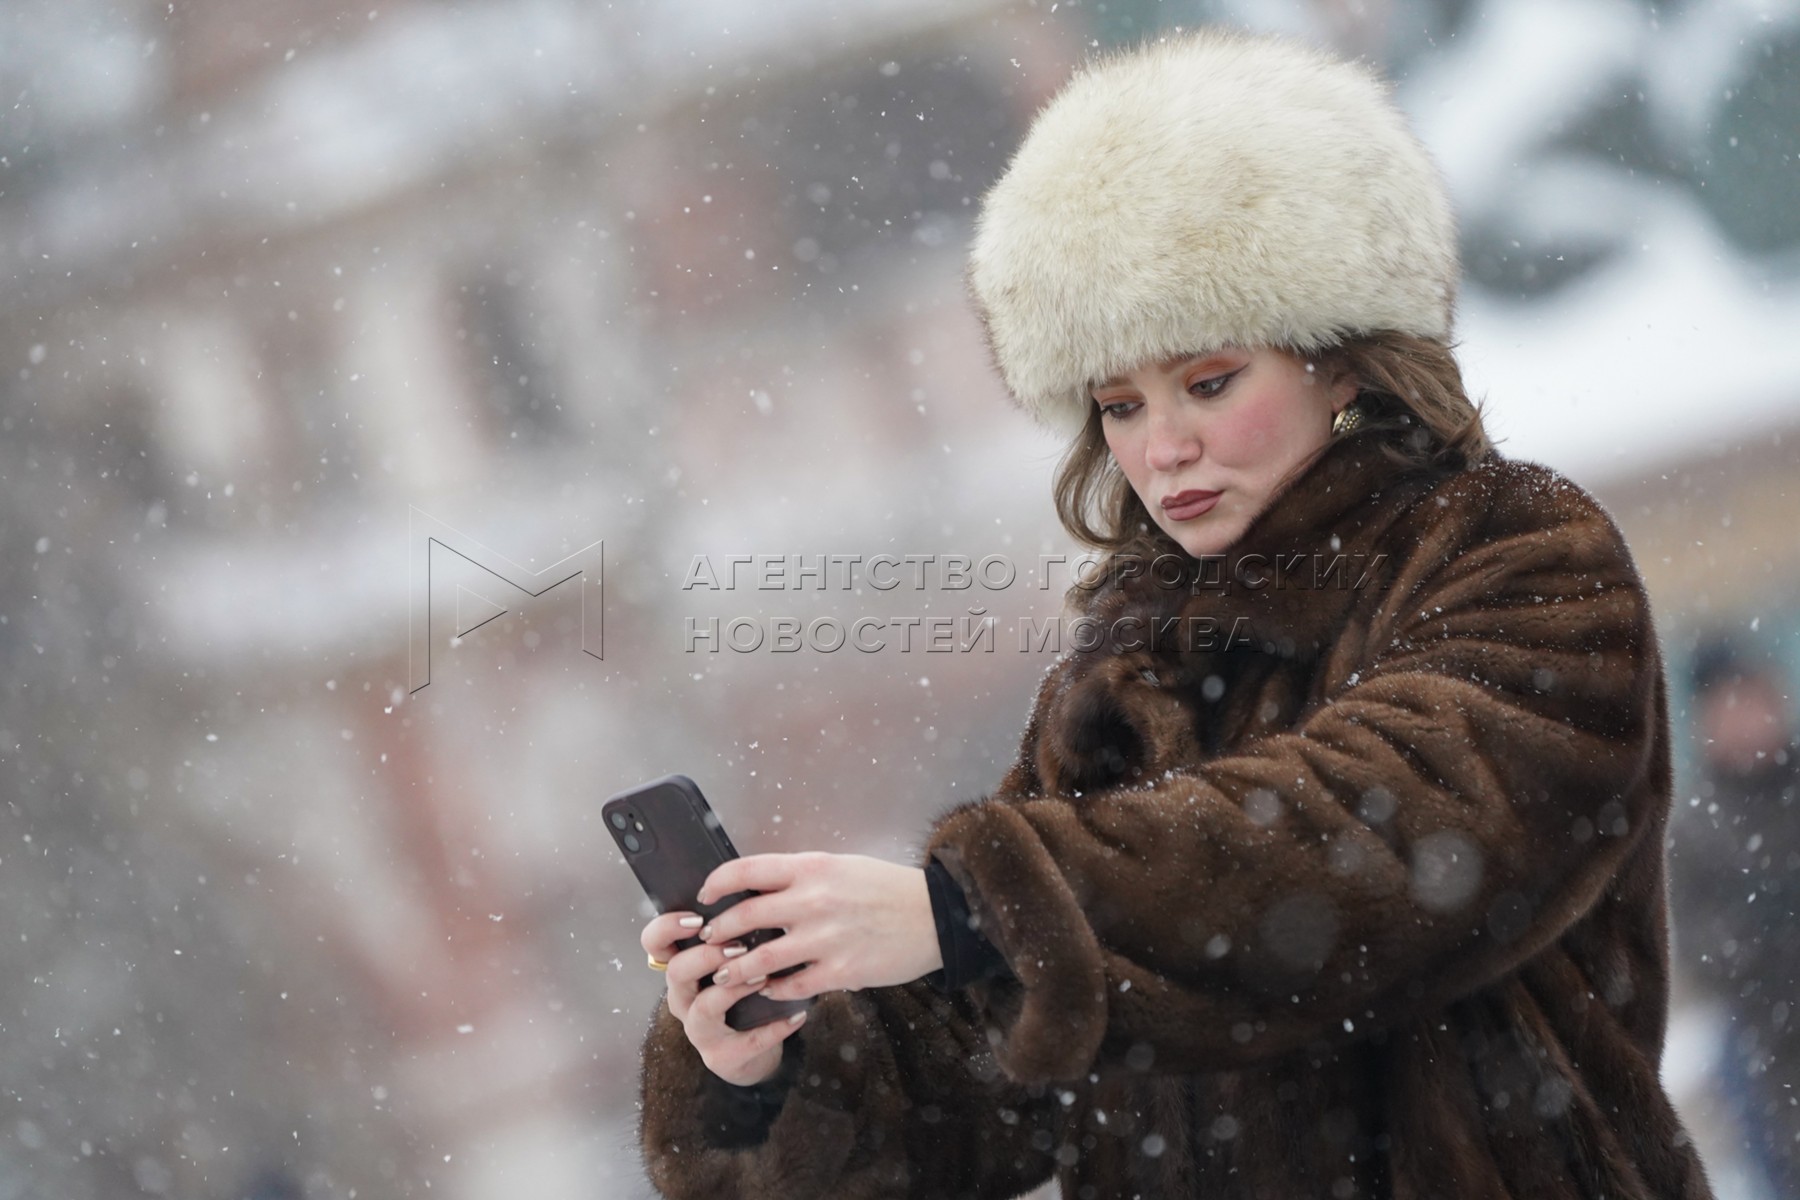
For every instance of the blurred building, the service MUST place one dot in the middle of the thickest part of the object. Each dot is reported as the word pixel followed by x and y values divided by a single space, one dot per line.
pixel 1714 533
pixel 548 272
pixel 683 276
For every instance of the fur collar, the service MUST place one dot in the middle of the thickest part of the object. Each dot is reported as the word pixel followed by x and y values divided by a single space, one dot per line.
pixel 1160 643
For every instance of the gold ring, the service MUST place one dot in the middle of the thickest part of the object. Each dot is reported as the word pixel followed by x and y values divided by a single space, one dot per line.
pixel 654 965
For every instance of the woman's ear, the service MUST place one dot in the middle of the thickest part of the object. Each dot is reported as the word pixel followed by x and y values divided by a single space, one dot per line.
pixel 1340 381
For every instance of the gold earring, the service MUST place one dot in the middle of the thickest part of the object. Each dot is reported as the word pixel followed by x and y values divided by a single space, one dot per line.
pixel 1348 418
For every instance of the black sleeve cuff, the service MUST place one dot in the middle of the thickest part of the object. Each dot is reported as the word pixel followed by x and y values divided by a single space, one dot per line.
pixel 968 956
pixel 737 1117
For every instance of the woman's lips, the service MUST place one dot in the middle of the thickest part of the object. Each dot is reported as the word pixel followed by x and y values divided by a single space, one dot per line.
pixel 1185 506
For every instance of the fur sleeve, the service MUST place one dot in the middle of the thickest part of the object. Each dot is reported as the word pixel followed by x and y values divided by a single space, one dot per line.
pixel 1494 751
pixel 895 1094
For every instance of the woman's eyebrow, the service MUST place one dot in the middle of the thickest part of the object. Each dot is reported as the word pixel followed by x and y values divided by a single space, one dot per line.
pixel 1219 357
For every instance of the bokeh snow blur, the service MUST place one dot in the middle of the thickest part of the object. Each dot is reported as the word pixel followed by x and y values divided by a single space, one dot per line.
pixel 327 328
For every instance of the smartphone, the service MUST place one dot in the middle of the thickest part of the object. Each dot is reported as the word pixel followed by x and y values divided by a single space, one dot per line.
pixel 672 841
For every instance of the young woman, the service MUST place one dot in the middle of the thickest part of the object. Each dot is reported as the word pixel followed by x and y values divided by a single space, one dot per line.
pixel 1331 863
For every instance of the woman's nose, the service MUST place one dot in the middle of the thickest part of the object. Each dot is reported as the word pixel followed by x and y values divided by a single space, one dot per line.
pixel 1172 443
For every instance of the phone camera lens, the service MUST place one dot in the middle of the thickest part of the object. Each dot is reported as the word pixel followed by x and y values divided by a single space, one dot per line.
pixel 618 820
pixel 631 842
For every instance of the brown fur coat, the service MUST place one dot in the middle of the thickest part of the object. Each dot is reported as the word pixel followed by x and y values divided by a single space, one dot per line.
pixel 1317 877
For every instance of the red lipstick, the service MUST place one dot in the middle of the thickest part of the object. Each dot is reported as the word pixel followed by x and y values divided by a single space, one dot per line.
pixel 1185 506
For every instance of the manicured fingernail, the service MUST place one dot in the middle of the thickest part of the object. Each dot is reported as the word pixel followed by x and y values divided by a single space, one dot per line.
pixel 797 1017
pixel 722 975
pixel 692 922
pixel 706 934
pixel 760 979
pixel 734 951
pixel 703 898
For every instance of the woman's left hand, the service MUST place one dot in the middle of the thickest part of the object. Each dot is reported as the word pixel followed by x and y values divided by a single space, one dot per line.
pixel 856 922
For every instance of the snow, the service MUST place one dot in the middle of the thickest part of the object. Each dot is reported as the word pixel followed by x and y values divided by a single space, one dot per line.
pixel 1676 343
pixel 1678 349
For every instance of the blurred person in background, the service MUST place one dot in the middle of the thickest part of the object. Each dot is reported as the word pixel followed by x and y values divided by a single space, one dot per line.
pixel 1334 865
pixel 1735 886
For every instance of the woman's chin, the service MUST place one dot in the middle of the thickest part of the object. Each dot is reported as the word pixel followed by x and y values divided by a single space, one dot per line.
pixel 1202 537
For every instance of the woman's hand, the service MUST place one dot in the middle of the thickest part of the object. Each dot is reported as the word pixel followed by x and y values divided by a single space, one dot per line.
pixel 855 922
pixel 742 1058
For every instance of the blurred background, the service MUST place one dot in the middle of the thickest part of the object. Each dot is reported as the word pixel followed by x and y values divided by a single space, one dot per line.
pixel 289 283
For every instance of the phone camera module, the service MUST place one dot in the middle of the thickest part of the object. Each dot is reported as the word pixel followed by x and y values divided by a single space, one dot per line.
pixel 619 820
pixel 631 843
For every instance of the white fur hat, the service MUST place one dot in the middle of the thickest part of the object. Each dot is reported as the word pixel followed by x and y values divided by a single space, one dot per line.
pixel 1206 190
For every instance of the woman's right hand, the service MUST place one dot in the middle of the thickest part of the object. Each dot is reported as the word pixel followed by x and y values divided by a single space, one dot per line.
pixel 742 1058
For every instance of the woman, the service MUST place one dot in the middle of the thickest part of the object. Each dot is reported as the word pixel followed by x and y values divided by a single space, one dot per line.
pixel 1331 863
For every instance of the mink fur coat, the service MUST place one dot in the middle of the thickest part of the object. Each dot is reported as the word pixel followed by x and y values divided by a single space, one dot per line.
pixel 1329 867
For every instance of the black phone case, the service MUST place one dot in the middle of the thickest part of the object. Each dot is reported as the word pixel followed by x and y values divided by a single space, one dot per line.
pixel 678 842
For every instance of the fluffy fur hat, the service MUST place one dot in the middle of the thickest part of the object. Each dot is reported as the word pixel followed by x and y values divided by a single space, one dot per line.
pixel 1205 190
